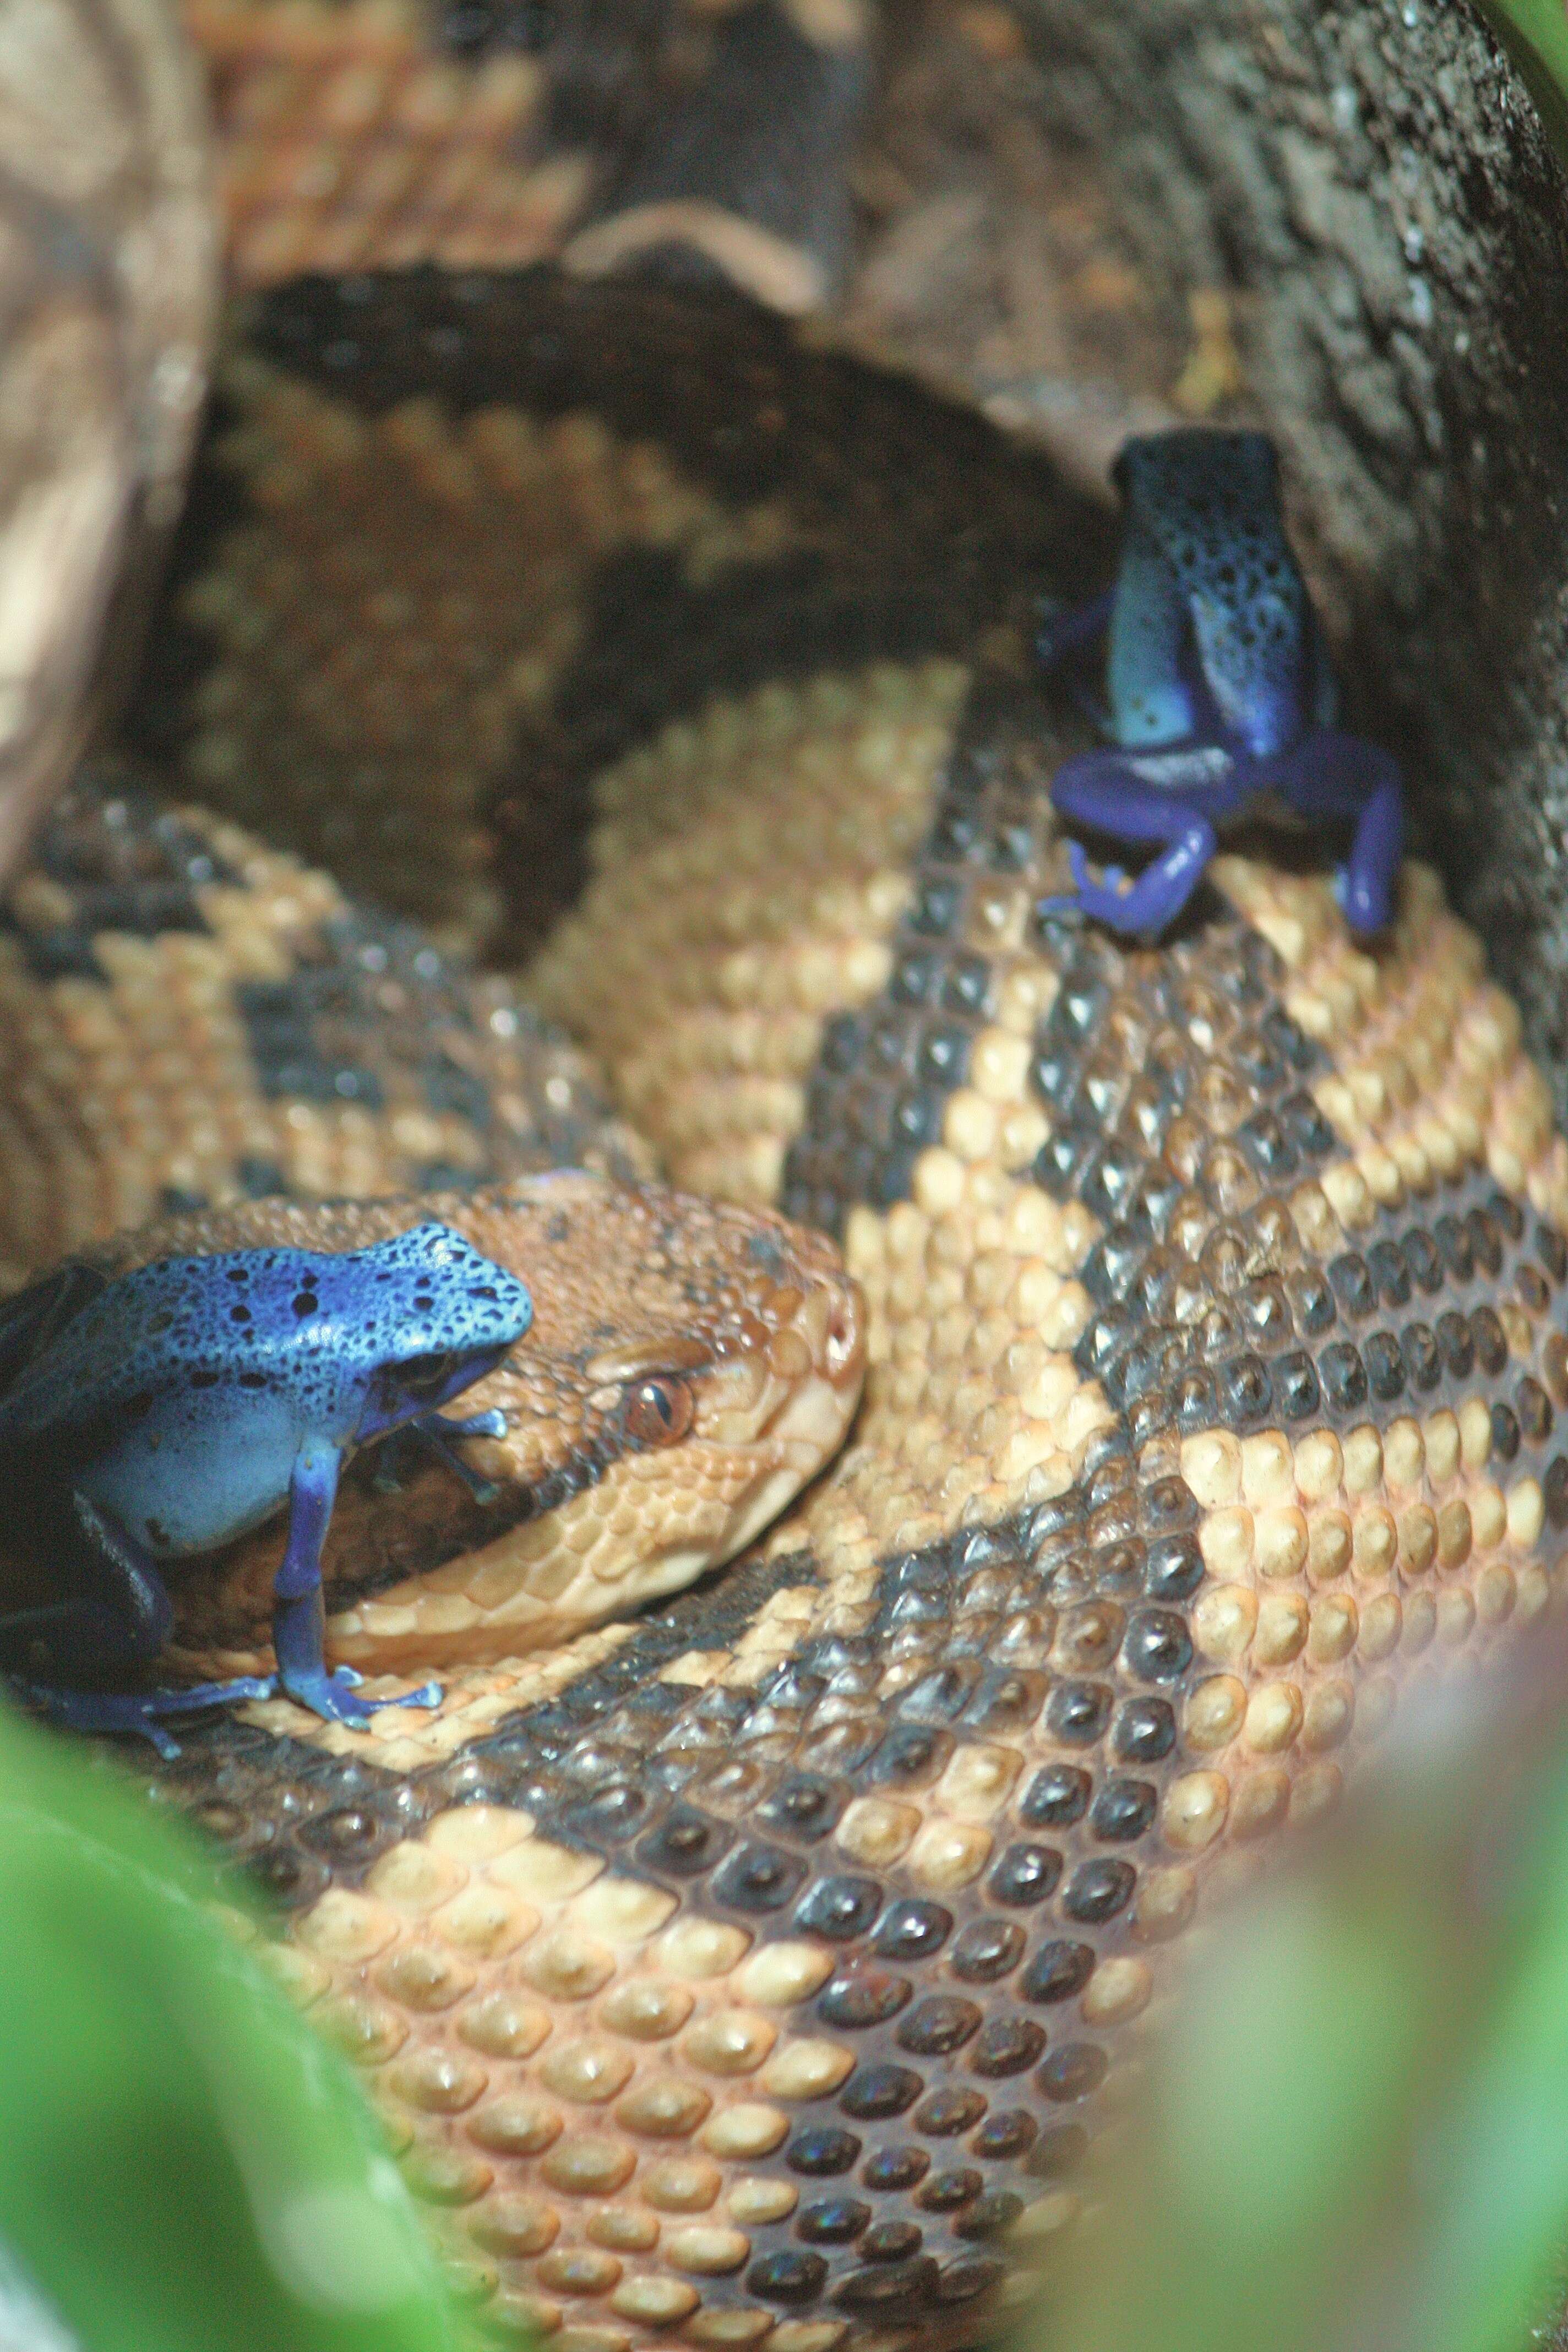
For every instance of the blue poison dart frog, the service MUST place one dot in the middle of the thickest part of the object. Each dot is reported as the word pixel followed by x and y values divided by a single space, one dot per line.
pixel 1221 700
pixel 157 1416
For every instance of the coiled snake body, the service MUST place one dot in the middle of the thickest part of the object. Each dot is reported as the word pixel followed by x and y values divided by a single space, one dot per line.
pixel 756 1969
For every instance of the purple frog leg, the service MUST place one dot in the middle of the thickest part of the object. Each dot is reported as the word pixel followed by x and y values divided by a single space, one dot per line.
pixel 1105 792
pixel 1220 690
pixel 1069 633
pixel 139 1712
pixel 1327 774
pixel 122 1620
pixel 298 1616
pixel 131 1626
pixel 472 1424
pixel 436 1432
pixel 1330 774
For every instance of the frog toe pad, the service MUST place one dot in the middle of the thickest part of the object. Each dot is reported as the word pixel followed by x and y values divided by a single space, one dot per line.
pixel 138 1713
pixel 335 1696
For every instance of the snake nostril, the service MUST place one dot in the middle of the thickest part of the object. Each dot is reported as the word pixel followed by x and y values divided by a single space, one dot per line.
pixel 843 1336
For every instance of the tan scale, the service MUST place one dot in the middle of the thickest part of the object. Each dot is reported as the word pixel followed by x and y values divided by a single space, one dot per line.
pixel 973 1407
pixel 592 2078
pixel 352 137
pixel 347 141
pixel 118 1089
pixel 973 1310
pixel 1340 1570
pixel 371 686
pixel 583 2078
pixel 1430 1074
pixel 803 802
pixel 1340 1574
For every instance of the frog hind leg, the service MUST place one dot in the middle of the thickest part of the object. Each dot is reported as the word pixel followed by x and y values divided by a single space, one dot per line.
pixel 118 1620
pixel 138 1712
pixel 299 1613
pixel 1331 775
pixel 115 1613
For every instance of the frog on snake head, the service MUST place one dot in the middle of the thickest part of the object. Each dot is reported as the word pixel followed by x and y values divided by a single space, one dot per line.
pixel 1222 702
pixel 155 1417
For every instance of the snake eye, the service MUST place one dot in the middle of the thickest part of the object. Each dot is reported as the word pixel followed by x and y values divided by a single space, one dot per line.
pixel 659 1411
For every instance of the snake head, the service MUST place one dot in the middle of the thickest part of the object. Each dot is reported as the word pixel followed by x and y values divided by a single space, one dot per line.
pixel 689 1367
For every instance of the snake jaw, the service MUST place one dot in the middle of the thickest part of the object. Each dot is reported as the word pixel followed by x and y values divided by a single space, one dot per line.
pixel 773 1404
pixel 689 1368
pixel 815 1369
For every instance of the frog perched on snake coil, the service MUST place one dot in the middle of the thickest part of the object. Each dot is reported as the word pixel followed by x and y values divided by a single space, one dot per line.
pixel 161 1414
pixel 758 1969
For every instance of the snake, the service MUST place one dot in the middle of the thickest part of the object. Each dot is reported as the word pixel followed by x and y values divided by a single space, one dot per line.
pixel 592 725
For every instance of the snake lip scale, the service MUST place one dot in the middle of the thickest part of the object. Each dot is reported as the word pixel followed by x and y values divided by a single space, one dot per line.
pixel 759 1967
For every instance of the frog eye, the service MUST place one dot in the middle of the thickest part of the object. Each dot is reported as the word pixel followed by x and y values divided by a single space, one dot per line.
pixel 424 1376
pixel 659 1411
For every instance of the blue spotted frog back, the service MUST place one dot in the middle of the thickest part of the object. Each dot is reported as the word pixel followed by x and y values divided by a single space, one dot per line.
pixel 179 1394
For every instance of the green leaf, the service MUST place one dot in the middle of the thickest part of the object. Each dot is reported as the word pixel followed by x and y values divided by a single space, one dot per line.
pixel 1356 2130
pixel 182 2162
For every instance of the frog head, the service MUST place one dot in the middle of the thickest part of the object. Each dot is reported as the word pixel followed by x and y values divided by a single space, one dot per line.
pixel 433 1315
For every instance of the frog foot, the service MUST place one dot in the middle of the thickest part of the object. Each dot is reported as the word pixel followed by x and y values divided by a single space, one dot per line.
pixel 1064 904
pixel 1146 905
pixel 1109 901
pixel 1109 891
pixel 138 1713
pixel 334 1697
pixel 1365 899
pixel 474 1424
pixel 436 1431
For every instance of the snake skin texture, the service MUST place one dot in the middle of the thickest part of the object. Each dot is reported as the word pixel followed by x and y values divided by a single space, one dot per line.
pixel 759 1966
pixel 762 1968
pixel 372 134
pixel 190 1016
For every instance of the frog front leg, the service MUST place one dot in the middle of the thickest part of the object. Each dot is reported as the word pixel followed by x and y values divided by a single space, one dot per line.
pixel 438 1432
pixel 472 1424
pixel 299 1613
pixel 1073 628
pixel 1104 790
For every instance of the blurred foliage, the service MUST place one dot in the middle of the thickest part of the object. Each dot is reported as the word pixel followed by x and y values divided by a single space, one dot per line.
pixel 1535 34
pixel 183 2163
pixel 1356 2135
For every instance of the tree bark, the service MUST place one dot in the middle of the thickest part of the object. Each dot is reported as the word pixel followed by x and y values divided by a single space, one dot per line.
pixel 1371 184
pixel 107 284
